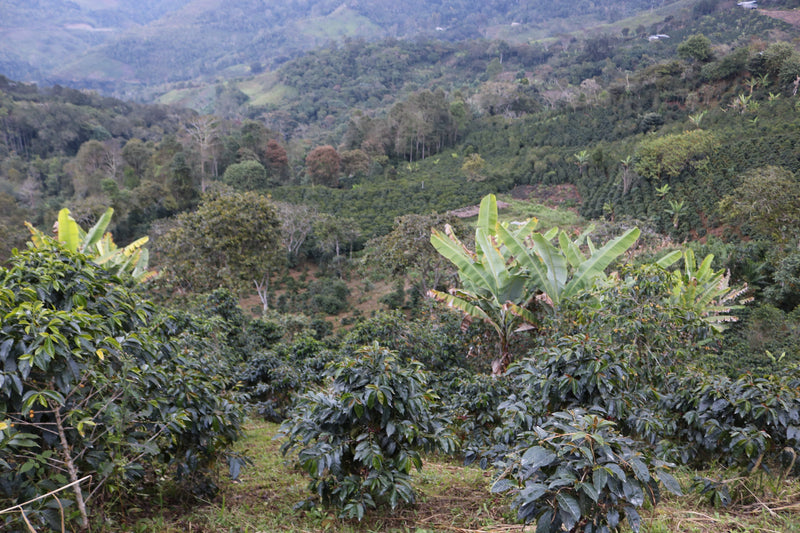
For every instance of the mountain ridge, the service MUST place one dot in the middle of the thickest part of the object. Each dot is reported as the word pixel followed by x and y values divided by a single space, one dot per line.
pixel 90 42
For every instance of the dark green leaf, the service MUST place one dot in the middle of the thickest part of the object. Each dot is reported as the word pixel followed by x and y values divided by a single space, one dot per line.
pixel 570 509
pixel 538 457
pixel 502 485
pixel 670 483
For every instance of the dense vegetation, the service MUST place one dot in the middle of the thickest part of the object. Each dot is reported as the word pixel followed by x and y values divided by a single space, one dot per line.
pixel 304 254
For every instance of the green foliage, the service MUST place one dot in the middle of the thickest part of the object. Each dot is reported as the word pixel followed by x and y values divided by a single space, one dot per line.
pixel 666 157
pixel 575 472
pixel 232 240
pixel 132 260
pixel 472 403
pixel 697 47
pixel 745 422
pixel 768 202
pixel 328 296
pixel 274 377
pixel 785 292
pixel 359 437
pixel 582 371
pixel 80 352
pixel 407 251
pixel 246 176
pixel 494 289
pixel 437 341
pixel 500 279
pixel 703 291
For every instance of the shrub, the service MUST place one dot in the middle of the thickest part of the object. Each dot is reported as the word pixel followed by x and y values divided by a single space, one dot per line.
pixel 438 342
pixel 80 352
pixel 574 472
pixel 359 437
pixel 328 296
pixel 472 402
pixel 274 377
pixel 741 422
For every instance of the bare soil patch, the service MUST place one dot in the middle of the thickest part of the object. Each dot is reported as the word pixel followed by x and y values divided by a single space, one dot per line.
pixel 549 195
pixel 791 17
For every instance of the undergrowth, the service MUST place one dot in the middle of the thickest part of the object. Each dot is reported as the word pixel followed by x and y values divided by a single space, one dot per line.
pixel 450 498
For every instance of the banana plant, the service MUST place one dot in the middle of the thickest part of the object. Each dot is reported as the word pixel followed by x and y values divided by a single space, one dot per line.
pixel 493 287
pixel 513 267
pixel 99 245
pixel 702 290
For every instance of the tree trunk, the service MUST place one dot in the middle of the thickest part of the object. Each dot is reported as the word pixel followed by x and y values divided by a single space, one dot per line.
pixel 263 292
pixel 73 470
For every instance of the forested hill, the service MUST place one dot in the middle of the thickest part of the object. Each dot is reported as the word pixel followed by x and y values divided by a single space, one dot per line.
pixel 111 45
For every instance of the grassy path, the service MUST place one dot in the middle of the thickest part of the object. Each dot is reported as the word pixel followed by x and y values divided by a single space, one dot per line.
pixel 451 498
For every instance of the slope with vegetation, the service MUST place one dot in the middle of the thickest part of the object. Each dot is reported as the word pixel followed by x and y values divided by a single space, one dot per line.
pixel 111 46
pixel 629 370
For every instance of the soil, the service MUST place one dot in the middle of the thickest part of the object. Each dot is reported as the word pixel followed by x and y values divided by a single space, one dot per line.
pixel 549 195
pixel 791 17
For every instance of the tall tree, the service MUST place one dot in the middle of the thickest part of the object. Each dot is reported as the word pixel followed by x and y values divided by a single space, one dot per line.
pixel 297 223
pixel 768 202
pixel 232 240
pixel 204 131
pixel 407 250
pixel 323 164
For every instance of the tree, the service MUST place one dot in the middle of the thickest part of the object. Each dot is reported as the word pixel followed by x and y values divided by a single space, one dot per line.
pixel 676 209
pixel 407 250
pixel 703 291
pixel 232 240
pixel 697 47
pixel 180 182
pixel 297 223
pixel 582 160
pixel 204 131
pixel 246 176
pixel 473 167
pixel 331 232
pixel 322 165
pixel 137 156
pixel 355 163
pixel 768 201
pixel 89 168
pixel 628 175
pixel 12 230
pixel 667 156
pixel 277 161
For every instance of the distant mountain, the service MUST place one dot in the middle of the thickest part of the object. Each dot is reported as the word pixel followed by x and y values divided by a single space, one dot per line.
pixel 114 44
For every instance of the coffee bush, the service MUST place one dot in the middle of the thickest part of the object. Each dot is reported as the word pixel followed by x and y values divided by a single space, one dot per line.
pixel 359 436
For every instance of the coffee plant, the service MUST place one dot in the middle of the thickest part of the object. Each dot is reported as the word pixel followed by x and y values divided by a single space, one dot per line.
pixel 745 422
pixel 574 472
pixel 359 436
pixel 437 341
pixel 273 378
pixel 93 382
pixel 471 402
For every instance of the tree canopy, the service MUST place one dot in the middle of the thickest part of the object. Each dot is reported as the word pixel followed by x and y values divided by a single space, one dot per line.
pixel 232 240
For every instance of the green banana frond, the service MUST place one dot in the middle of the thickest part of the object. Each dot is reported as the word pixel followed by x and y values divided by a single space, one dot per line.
pixel 599 260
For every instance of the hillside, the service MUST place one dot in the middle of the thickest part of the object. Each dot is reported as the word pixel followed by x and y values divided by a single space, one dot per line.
pixel 121 46
pixel 555 260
